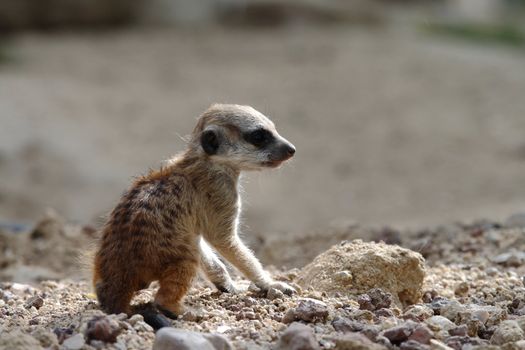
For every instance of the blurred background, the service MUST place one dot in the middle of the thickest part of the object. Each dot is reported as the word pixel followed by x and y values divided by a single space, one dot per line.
pixel 409 113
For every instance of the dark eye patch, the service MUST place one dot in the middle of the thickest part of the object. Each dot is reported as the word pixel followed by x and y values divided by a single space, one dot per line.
pixel 259 137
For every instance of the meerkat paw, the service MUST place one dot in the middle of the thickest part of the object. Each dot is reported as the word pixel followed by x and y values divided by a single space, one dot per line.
pixel 227 288
pixel 172 313
pixel 283 287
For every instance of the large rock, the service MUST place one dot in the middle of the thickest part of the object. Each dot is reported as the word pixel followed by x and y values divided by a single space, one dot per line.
pixel 171 338
pixel 356 267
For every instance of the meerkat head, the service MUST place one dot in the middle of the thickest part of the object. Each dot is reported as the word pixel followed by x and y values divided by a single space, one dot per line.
pixel 241 137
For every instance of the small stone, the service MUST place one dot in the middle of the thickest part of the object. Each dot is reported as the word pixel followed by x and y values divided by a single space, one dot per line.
pixel 191 316
pixel 380 298
pixel 75 342
pixel 21 289
pixel 297 337
pixel 135 318
pixel 274 293
pixel 440 323
pixel 35 301
pixel 399 334
pixel 461 289
pixel 510 259
pixel 384 313
pixel 459 331
pixel 418 313
pixel 46 338
pixel 365 302
pixel 223 329
pixel 371 332
pixel 451 310
pixel 374 299
pixel 168 338
pixel 246 315
pixel 356 341
pixel 492 271
pixel 342 324
pixel 141 326
pixel 437 345
pixel 429 295
pixel 344 276
pixel 308 310
pixel 422 334
pixel 413 345
pixel 508 331
pixel 103 328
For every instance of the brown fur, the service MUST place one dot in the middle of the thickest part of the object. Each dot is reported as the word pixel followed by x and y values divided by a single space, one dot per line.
pixel 154 233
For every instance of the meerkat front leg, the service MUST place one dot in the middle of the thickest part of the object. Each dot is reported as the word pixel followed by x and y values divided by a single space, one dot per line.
pixel 240 256
pixel 215 269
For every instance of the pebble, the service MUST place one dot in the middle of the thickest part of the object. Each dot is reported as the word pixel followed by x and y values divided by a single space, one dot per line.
pixel 459 331
pixel 297 337
pixel 223 329
pixel 374 299
pixel 191 316
pixel 46 338
pixel 437 345
pixel 103 328
pixel 399 334
pixel 440 323
pixel 343 324
pixel 365 302
pixel 141 326
pixel 168 338
pixel 508 331
pixel 308 310
pixel 461 289
pixel 421 334
pixel 274 293
pixel 356 341
pixel 510 259
pixel 35 301
pixel 413 345
pixel 135 318
pixel 418 312
pixel 75 342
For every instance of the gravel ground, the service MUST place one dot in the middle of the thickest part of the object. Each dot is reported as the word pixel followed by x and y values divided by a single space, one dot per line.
pixel 472 297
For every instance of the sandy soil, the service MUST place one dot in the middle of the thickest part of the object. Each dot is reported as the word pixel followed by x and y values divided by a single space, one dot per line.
pixel 390 127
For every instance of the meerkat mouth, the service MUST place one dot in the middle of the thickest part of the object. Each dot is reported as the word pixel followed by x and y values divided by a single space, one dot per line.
pixel 273 163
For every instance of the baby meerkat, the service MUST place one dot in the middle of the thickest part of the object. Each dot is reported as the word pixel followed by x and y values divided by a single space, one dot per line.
pixel 165 225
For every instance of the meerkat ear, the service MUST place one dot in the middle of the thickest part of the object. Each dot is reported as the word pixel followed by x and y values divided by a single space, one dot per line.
pixel 210 142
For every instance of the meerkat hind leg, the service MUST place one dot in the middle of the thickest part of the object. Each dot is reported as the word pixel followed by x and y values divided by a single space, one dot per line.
pixel 174 284
pixel 215 269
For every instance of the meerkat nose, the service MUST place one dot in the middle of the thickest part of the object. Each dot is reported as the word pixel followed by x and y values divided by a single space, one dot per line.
pixel 290 150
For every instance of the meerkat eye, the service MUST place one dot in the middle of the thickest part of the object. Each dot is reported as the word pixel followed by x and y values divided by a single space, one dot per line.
pixel 259 137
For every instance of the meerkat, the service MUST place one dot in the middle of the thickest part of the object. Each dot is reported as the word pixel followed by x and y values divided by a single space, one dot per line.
pixel 169 223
